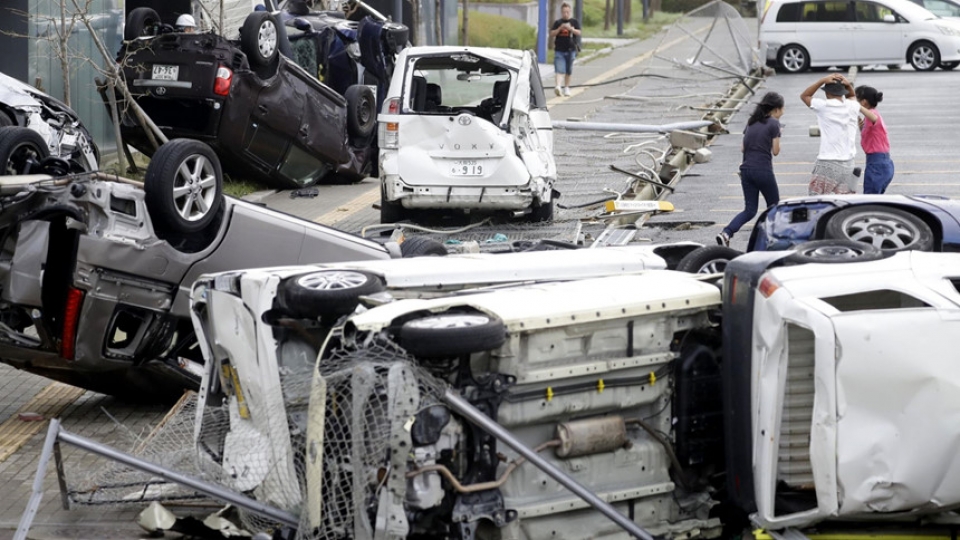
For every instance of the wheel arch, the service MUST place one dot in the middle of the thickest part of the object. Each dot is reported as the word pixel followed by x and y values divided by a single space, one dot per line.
pixel 916 42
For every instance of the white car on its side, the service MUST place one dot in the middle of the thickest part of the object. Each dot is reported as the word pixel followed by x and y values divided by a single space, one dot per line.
pixel 466 129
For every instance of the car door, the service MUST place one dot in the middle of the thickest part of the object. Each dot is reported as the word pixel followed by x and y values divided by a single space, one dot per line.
pixel 825 30
pixel 876 39
pixel 534 144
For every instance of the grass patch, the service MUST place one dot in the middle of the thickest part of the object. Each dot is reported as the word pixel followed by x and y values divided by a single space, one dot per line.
pixel 488 30
pixel 239 187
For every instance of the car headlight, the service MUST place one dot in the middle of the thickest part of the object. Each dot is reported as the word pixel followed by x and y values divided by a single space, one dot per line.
pixel 949 30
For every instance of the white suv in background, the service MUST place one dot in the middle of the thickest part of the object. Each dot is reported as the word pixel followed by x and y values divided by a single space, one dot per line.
pixel 802 34
pixel 466 129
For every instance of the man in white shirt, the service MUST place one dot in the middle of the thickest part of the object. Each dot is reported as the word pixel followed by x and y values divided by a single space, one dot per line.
pixel 837 117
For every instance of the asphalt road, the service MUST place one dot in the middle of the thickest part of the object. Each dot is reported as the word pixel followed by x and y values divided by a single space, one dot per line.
pixel 920 110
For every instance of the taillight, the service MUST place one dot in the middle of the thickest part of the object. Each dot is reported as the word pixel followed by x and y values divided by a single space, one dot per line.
pixel 221 85
pixel 71 317
pixel 768 286
pixel 389 136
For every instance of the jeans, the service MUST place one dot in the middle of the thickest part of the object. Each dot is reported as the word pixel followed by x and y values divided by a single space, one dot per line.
pixel 563 62
pixel 878 173
pixel 754 182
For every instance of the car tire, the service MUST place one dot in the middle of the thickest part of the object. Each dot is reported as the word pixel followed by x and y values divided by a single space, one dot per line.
pixel 396 36
pixel 183 187
pixel 834 251
pixel 6 120
pixel 949 66
pixel 361 113
pixel 422 246
pixel 923 56
pixel 141 22
pixel 707 260
pixel 452 334
pixel 260 39
pixel 793 59
pixel 326 293
pixel 21 151
pixel 541 212
pixel 885 228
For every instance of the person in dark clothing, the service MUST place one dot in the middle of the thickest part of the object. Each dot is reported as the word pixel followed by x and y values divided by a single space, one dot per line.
pixel 565 31
pixel 761 141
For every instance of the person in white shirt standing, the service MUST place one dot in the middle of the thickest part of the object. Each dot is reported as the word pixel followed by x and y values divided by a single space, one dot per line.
pixel 837 117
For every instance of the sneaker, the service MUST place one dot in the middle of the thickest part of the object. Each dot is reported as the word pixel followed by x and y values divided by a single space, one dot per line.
pixel 566 90
pixel 723 239
pixel 557 91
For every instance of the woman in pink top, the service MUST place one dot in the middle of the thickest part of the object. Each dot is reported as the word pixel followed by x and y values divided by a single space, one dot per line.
pixel 873 138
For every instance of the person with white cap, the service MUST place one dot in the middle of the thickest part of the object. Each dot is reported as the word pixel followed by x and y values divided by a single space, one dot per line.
pixel 186 23
pixel 837 117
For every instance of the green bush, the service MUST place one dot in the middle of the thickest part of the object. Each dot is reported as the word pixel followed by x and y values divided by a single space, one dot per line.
pixel 488 30
pixel 683 6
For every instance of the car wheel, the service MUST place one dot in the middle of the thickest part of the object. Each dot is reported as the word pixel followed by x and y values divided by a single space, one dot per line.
pixel 707 260
pixel 21 150
pixel 452 334
pixel 361 112
pixel 541 212
pixel 260 39
pixel 793 59
pixel 889 229
pixel 396 36
pixel 834 251
pixel 184 187
pixel 326 292
pixel 949 66
pixel 422 246
pixel 141 22
pixel 5 120
pixel 923 56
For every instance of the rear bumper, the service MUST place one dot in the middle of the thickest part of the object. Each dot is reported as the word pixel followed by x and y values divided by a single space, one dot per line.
pixel 465 197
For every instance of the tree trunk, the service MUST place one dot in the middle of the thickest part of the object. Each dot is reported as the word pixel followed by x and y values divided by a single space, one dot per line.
pixel 438 21
pixel 627 10
pixel 63 48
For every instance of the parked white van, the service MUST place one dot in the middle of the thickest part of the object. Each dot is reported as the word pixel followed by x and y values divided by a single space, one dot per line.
pixel 466 129
pixel 803 34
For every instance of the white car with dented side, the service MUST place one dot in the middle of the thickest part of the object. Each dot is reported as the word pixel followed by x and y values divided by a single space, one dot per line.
pixel 795 395
pixel 466 129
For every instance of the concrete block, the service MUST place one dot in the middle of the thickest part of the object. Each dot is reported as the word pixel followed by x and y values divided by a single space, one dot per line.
pixel 687 139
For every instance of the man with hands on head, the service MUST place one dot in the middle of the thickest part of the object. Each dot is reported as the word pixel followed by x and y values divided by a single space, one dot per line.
pixel 837 116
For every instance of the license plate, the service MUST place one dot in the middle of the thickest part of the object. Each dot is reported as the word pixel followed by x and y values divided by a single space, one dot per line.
pixel 467 168
pixel 165 73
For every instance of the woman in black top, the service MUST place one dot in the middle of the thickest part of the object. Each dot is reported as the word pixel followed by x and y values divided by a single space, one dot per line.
pixel 761 141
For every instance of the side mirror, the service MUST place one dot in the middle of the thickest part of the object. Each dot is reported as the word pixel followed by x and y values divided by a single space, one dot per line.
pixel 889 18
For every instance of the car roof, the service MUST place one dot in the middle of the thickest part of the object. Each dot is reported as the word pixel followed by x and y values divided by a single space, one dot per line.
pixel 508 57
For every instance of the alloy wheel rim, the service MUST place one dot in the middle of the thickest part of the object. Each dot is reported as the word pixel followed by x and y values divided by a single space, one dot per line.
pixel 449 321
pixel 793 59
pixel 194 188
pixel 713 266
pixel 882 231
pixel 923 57
pixel 330 281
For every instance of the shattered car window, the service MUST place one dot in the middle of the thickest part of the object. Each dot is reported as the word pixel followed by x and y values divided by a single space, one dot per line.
pixel 444 85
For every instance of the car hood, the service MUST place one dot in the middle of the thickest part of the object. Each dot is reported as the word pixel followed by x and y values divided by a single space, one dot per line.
pixel 16 94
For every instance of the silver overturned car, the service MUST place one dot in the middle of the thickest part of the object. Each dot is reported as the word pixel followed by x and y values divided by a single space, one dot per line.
pixel 95 275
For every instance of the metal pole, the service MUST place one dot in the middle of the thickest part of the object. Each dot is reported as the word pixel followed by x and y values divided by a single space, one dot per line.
pixel 34 503
pixel 398 11
pixel 630 128
pixel 211 490
pixel 473 414
pixel 578 11
pixel 542 24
